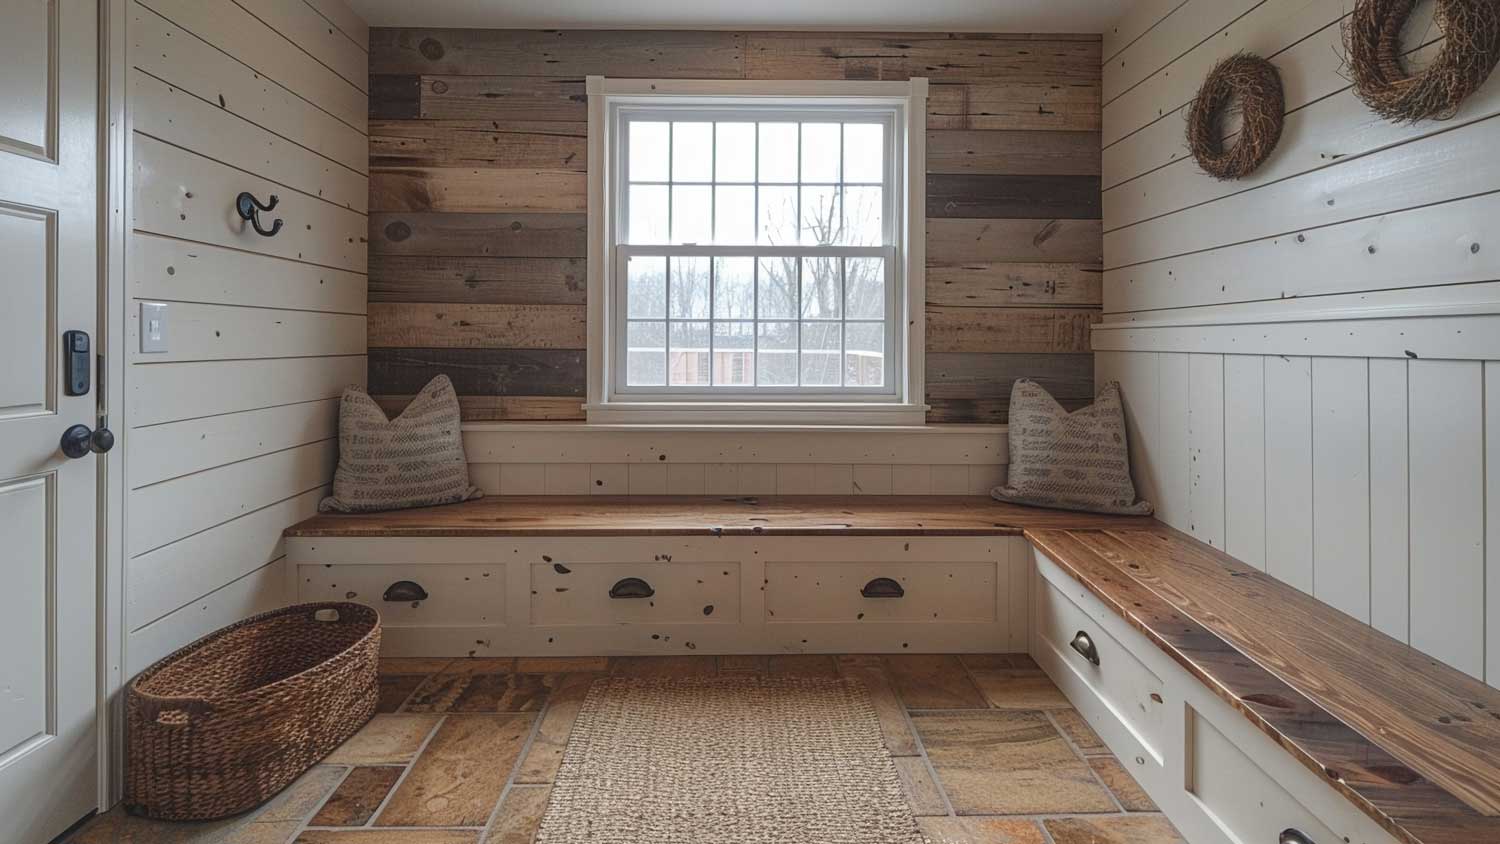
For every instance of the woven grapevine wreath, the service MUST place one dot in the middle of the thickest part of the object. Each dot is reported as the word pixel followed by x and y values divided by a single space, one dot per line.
pixel 1252 86
pixel 1470 49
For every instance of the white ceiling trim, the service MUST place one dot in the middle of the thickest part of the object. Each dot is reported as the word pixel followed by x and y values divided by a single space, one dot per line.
pixel 1089 16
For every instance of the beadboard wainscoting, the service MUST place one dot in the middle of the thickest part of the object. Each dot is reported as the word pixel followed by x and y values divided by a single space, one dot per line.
pixel 232 431
pixel 1308 355
pixel 478 147
pixel 576 459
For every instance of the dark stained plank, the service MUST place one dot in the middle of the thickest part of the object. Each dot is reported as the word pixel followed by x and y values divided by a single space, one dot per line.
pixel 478 190
pixel 1010 329
pixel 983 411
pixel 520 281
pixel 980 384
pixel 480 235
pixel 1014 197
pixel 504 98
pixel 1407 739
pixel 990 284
pixel 395 96
pixel 465 326
pixel 953 241
pixel 811 515
pixel 483 372
pixel 523 52
pixel 501 408
pixel 1000 105
pixel 1014 152
pixel 479 143
pixel 938 56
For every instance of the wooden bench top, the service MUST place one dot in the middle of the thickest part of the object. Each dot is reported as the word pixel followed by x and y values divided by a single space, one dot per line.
pixel 1412 742
pixel 812 515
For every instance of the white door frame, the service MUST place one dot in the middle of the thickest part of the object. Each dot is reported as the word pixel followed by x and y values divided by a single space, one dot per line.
pixel 114 217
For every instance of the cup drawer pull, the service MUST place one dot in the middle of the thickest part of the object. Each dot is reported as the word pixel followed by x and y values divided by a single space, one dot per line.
pixel 631 587
pixel 404 590
pixel 882 587
pixel 1084 644
pixel 1293 836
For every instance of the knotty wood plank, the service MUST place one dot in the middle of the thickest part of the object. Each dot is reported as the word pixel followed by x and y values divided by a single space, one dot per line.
pixel 988 377
pixel 1062 105
pixel 991 284
pixel 520 281
pixel 814 515
pixel 522 52
pixel 486 372
pixel 521 143
pixel 1319 688
pixel 504 98
pixel 1012 153
pixel 1014 197
pixel 477 189
pixel 477 326
pixel 986 410
pixel 953 241
pixel 395 96
pixel 480 235
pixel 938 56
pixel 1009 329
pixel 500 408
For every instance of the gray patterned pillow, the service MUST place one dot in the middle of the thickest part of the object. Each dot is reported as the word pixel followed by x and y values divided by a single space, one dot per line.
pixel 1072 461
pixel 414 460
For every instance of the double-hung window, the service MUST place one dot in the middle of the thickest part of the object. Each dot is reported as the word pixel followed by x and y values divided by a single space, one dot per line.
pixel 752 252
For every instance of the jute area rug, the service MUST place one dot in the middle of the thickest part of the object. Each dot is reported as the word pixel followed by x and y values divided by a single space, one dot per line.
pixel 727 760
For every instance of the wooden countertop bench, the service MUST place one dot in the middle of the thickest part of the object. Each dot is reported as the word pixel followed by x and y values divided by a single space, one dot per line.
pixel 1411 742
pixel 812 515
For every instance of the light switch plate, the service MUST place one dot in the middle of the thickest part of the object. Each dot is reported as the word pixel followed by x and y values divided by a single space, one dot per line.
pixel 153 328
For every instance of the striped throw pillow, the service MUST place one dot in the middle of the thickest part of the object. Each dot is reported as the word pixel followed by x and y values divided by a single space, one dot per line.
pixel 1071 461
pixel 414 460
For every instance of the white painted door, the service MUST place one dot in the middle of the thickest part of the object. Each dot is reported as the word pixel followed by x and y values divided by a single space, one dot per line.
pixel 48 502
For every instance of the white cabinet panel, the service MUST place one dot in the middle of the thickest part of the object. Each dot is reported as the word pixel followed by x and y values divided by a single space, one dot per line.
pixel 831 591
pixel 570 593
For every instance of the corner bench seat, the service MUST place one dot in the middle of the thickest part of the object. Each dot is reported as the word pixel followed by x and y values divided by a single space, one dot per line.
pixel 1308 695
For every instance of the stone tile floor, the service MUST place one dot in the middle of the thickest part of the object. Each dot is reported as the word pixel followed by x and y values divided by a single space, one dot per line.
pixel 463 751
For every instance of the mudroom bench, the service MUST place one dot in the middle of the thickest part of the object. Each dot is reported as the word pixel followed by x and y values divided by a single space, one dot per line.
pixel 1247 710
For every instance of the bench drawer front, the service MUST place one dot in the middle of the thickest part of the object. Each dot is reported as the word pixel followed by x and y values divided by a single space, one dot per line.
pixel 1132 692
pixel 831 591
pixel 684 593
pixel 1242 799
pixel 457 595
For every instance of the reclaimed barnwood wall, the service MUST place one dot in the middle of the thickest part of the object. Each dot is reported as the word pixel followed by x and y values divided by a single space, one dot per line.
pixel 478 202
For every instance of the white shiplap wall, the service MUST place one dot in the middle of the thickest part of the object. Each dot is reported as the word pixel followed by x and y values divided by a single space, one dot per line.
pixel 566 459
pixel 1311 356
pixel 231 434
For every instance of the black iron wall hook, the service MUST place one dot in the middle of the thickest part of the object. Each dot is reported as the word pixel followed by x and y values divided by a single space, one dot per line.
pixel 249 208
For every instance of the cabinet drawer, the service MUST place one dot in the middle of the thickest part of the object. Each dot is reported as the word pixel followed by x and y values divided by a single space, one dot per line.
pixel 831 591
pixel 682 593
pixel 1241 798
pixel 1131 692
pixel 457 595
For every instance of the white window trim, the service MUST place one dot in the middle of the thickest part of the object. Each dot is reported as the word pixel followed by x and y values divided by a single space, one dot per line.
pixel 908 408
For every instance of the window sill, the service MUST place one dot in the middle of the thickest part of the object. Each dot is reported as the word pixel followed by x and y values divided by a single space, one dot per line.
pixel 755 415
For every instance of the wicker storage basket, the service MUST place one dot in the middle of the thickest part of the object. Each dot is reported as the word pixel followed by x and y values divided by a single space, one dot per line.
pixel 223 724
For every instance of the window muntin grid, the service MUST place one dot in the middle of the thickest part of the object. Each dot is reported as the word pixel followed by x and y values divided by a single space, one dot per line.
pixel 751 301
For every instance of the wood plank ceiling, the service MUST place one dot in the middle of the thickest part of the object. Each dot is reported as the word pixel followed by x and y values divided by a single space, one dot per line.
pixel 477 195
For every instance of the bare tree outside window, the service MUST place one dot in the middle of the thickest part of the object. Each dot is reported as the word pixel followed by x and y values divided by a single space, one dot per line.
pixel 804 319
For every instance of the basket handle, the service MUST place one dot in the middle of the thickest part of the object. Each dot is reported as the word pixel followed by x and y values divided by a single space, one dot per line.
pixel 155 707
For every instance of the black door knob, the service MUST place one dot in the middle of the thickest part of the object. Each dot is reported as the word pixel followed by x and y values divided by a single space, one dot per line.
pixel 80 441
pixel 102 441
